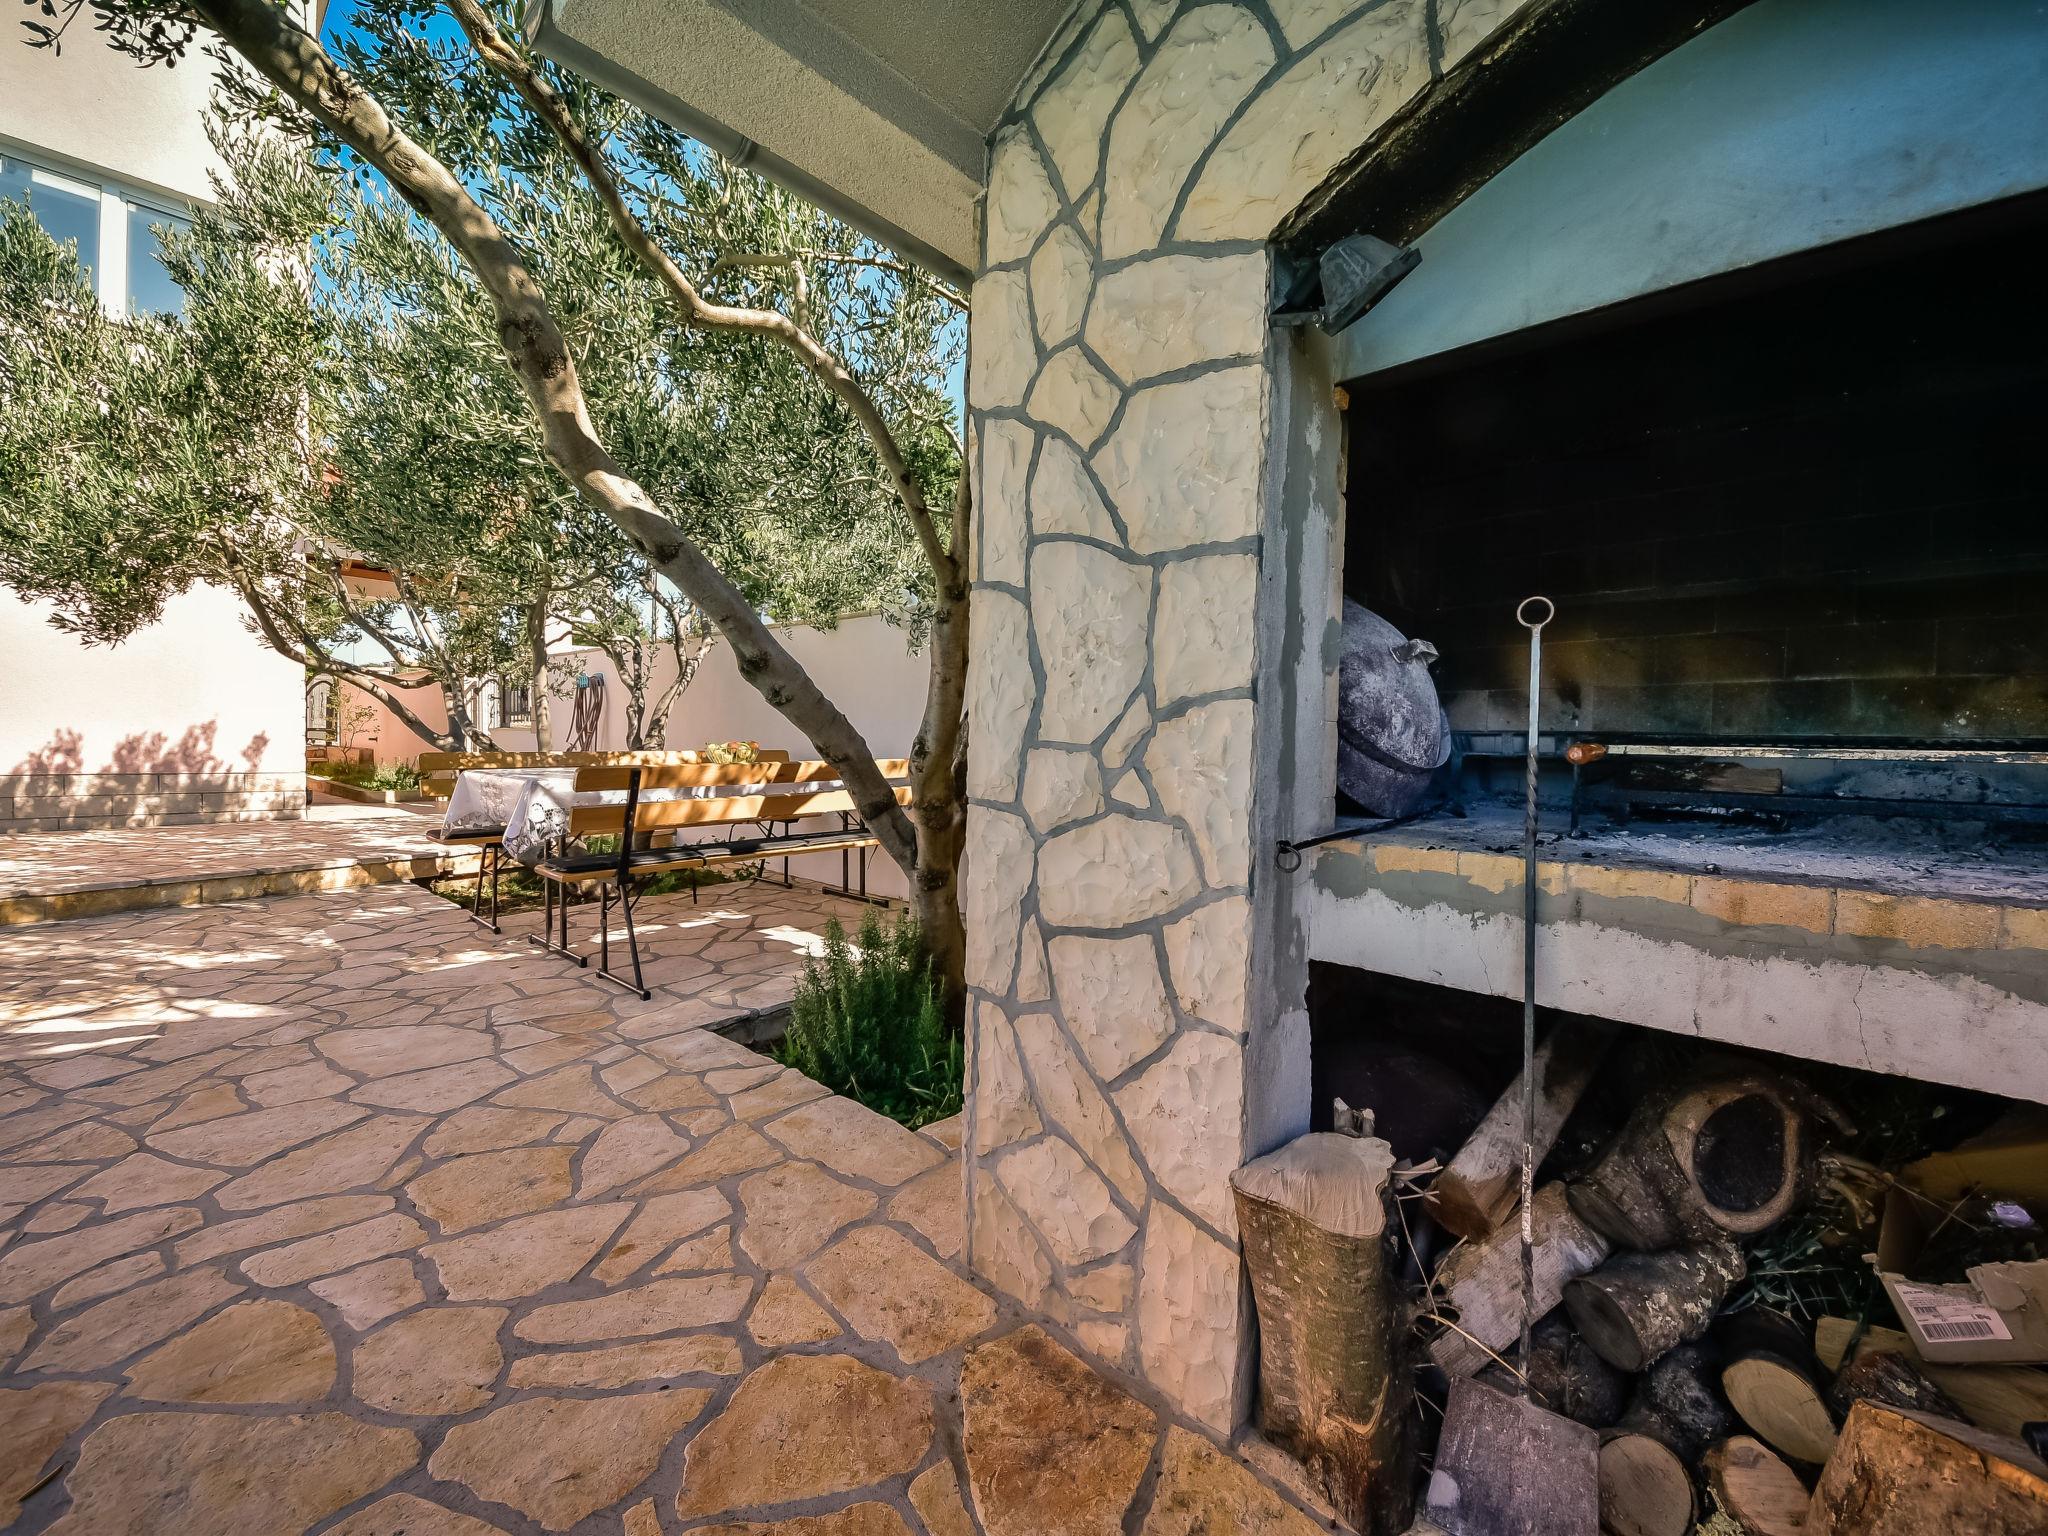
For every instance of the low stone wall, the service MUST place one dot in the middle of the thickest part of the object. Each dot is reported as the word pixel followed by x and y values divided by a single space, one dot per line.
pixel 77 801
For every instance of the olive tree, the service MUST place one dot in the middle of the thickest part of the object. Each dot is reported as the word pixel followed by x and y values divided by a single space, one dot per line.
pixel 140 456
pixel 454 128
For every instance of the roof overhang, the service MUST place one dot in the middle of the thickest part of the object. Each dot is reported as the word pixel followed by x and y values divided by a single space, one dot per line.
pixel 879 111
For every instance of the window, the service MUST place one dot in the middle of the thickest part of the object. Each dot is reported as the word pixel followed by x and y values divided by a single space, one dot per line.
pixel 323 713
pixel 150 289
pixel 69 210
pixel 113 230
pixel 515 703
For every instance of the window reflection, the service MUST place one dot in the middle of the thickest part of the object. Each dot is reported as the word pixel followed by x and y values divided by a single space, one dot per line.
pixel 69 210
pixel 150 289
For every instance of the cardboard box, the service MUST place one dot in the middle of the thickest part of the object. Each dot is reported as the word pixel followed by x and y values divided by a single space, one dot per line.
pixel 2001 1314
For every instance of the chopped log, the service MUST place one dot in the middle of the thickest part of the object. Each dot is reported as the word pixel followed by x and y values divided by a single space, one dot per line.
pixel 1646 1460
pixel 1898 1472
pixel 1733 1157
pixel 1334 1383
pixel 1506 1467
pixel 1775 1384
pixel 1999 1398
pixel 1483 1183
pixel 1892 1378
pixel 1482 1282
pixel 1637 1306
pixel 1645 1490
pixel 1756 1490
pixel 1677 1402
pixel 1565 1376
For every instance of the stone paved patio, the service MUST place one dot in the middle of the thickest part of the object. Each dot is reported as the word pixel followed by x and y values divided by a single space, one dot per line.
pixel 49 876
pixel 336 1213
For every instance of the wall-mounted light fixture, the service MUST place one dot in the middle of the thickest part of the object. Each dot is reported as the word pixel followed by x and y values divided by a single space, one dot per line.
pixel 1350 277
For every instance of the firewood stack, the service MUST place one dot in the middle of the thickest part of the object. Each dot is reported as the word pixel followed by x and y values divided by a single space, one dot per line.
pixel 1711 1419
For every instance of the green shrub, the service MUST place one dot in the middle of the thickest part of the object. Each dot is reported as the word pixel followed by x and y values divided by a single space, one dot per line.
pixel 399 776
pixel 867 1022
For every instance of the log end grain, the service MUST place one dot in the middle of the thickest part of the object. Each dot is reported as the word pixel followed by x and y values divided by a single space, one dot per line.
pixel 1781 1406
pixel 1756 1490
pixel 1338 1183
pixel 1645 1490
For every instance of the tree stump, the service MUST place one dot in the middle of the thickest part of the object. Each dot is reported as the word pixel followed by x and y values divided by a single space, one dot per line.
pixel 1726 1158
pixel 1775 1384
pixel 1897 1472
pixel 1483 1183
pixel 1565 1376
pixel 1637 1306
pixel 1334 1380
pixel 1756 1490
pixel 1482 1282
pixel 1646 1460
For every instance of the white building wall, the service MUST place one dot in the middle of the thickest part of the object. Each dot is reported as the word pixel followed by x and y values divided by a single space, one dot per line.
pixel 194 718
pixel 90 108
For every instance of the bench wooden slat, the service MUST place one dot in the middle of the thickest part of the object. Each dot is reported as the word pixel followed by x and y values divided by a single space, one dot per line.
pixel 586 820
pixel 442 762
pixel 701 775
pixel 616 876
pixel 718 853
pixel 439 770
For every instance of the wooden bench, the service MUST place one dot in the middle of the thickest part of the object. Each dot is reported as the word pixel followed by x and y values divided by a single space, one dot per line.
pixel 439 771
pixel 756 812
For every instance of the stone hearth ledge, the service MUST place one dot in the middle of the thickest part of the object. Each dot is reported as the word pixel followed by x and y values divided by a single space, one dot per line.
pixel 1812 967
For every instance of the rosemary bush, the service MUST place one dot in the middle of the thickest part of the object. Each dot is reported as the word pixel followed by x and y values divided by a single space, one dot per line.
pixel 867 1023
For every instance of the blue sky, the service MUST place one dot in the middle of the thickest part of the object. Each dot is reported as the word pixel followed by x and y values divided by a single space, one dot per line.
pixel 339 20
pixel 340 17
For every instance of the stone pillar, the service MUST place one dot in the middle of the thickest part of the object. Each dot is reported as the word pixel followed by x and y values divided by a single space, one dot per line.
pixel 1154 583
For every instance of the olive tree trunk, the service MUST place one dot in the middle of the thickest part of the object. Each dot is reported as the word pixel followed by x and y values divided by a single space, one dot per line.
pixel 537 669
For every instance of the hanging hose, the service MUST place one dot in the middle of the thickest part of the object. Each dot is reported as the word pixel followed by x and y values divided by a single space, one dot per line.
pixel 587 714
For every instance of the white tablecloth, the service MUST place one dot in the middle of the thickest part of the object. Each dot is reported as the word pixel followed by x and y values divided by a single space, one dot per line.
pixel 533 805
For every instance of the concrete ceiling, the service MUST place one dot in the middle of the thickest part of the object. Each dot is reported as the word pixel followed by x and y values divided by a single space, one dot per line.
pixel 878 110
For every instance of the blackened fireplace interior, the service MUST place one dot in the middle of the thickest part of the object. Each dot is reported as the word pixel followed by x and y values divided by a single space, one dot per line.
pixel 1793 522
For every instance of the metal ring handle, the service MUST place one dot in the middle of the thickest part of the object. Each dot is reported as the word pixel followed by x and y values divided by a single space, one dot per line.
pixel 1522 613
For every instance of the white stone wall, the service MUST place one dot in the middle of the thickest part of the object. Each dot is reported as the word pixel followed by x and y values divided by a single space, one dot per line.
pixel 1125 393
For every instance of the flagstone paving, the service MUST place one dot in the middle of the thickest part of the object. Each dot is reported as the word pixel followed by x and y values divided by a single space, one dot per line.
pixel 338 1214
pixel 54 876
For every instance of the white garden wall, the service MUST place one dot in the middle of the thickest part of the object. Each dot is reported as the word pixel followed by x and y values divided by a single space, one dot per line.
pixel 191 719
